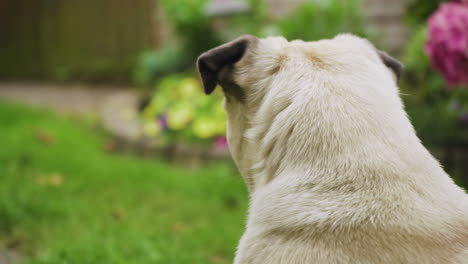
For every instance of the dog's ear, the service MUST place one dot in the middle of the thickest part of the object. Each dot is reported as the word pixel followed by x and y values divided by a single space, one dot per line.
pixel 392 63
pixel 210 63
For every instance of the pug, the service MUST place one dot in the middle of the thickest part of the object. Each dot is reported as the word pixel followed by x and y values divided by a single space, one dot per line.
pixel 334 169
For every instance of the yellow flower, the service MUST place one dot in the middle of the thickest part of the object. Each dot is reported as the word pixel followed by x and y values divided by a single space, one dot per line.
pixel 205 128
pixel 151 128
pixel 179 116
pixel 190 88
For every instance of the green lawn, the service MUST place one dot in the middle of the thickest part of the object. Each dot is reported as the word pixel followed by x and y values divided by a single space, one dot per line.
pixel 63 199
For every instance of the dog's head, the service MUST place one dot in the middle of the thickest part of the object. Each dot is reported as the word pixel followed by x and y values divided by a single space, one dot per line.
pixel 304 95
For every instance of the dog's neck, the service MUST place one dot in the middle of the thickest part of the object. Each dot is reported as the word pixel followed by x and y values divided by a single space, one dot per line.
pixel 287 135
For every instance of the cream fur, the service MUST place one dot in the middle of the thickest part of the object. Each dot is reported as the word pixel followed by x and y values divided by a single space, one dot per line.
pixel 335 170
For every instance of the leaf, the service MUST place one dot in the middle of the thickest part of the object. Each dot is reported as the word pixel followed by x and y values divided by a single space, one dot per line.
pixel 44 137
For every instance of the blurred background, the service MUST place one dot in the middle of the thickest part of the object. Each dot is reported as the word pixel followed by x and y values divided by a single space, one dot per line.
pixel 110 153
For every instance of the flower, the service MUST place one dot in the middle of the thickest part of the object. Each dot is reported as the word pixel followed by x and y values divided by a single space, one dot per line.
pixel 447 43
pixel 204 127
pixel 221 143
pixel 162 122
pixel 179 116
pixel 151 129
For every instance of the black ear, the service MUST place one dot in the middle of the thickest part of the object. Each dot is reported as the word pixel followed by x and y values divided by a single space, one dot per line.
pixel 392 63
pixel 210 63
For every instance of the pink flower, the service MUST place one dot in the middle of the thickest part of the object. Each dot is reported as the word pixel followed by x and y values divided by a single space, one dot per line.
pixel 221 143
pixel 447 43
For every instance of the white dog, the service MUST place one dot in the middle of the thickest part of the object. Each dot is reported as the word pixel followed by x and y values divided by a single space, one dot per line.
pixel 335 171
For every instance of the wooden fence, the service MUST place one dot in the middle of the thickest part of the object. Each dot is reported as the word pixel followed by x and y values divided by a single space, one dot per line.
pixel 73 39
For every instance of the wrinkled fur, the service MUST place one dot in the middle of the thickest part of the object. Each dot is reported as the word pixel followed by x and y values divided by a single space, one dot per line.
pixel 335 171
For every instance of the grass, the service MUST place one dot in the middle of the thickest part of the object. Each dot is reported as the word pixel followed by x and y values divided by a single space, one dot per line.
pixel 63 199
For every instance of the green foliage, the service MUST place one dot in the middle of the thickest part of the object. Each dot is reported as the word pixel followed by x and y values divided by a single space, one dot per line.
pixel 255 22
pixel 194 33
pixel 419 76
pixel 68 201
pixel 190 115
pixel 419 10
pixel 312 20
pixel 437 122
pixel 315 20
pixel 196 118
pixel 191 25
pixel 434 108
pixel 153 65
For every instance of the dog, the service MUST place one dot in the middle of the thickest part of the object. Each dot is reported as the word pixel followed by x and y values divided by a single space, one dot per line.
pixel 334 169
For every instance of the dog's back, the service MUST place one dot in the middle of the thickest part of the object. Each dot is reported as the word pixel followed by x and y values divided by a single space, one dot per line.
pixel 307 223
pixel 334 167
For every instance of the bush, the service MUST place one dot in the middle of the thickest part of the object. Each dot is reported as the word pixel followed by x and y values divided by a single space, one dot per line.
pixel 153 65
pixel 438 112
pixel 418 11
pixel 192 26
pixel 194 35
pixel 315 20
pixel 181 111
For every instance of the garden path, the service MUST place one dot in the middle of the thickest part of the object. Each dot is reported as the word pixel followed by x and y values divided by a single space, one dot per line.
pixel 115 107
pixel 8 257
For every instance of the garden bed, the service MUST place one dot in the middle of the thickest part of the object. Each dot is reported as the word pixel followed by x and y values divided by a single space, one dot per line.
pixel 121 116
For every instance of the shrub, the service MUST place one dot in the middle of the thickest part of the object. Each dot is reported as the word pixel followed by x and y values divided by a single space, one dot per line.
pixel 439 114
pixel 315 20
pixel 153 65
pixel 194 35
pixel 181 111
